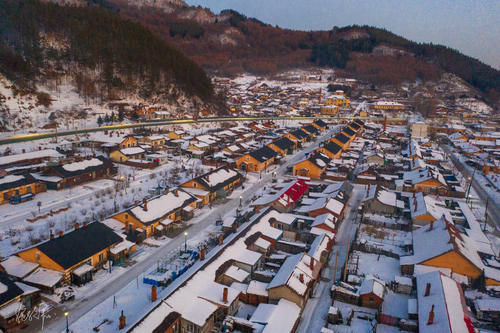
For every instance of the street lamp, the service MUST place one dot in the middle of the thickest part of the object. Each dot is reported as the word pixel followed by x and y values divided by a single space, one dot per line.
pixel 241 198
pixel 185 241
pixel 67 326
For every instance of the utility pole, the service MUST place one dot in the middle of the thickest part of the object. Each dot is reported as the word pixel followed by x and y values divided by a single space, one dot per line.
pixel 346 257
pixel 335 271
pixel 486 213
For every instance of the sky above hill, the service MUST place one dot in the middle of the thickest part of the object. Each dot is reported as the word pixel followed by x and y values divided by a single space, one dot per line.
pixel 471 26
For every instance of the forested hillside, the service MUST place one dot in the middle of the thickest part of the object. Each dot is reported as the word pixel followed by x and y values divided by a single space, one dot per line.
pixel 231 43
pixel 101 51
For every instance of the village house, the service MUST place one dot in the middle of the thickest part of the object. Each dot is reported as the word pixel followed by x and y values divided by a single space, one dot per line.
pixel 125 154
pixel 67 175
pixel 283 146
pixel 218 183
pixel 298 136
pixel 451 249
pixel 331 149
pixel 320 124
pixel 155 141
pixel 381 201
pixel 426 209
pixel 176 135
pixel 342 140
pixel 286 198
pixel 295 279
pixel 371 292
pixel 441 305
pixel 155 215
pixel 14 297
pixel 313 167
pixel 30 158
pixel 257 160
pixel 282 317
pixel 311 130
pixel 15 187
pixel 75 254
pixel 325 205
pixel 128 142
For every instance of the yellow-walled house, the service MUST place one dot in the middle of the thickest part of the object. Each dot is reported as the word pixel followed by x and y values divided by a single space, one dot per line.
pixel 330 149
pixel 342 140
pixel 256 161
pixel 165 209
pixel 313 167
pixel 129 141
pixel 451 249
pixel 175 135
pixel 338 100
pixel 283 146
pixel 76 253
pixel 218 183
pixel 298 136
pixel 15 186
pixel 320 124
pixel 123 155
pixel 155 141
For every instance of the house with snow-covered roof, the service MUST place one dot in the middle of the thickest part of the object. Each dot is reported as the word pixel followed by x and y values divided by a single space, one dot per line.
pixel 371 292
pixel 65 175
pixel 283 146
pixel 295 279
pixel 324 205
pixel 441 305
pixel 281 317
pixel 158 213
pixel 218 183
pixel 15 297
pixel 381 201
pixel 16 186
pixel 124 154
pixel 331 149
pixel 313 167
pixel 426 209
pixel 286 198
pixel 440 244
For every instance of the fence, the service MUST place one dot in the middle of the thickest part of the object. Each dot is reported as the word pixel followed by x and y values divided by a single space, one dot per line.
pixel 374 250
pixel 393 226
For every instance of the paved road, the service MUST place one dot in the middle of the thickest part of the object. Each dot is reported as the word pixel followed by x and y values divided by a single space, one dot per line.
pixel 79 308
pixel 316 311
pixel 484 193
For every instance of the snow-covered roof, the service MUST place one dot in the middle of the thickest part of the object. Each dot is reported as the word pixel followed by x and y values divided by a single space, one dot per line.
pixel 44 277
pixel 277 318
pixel 132 151
pixel 327 219
pixel 442 238
pixel 17 267
pixel 257 288
pixel 236 273
pixel 11 179
pixel 161 206
pixel 82 165
pixel 445 299
pixel 46 153
pixel 372 285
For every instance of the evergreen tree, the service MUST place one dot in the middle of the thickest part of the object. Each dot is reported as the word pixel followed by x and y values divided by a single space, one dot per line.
pixel 120 115
pixel 99 121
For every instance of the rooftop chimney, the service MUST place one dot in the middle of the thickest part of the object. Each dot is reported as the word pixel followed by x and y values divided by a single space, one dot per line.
pixel 431 225
pixel 311 264
pixel 430 321
pixel 51 235
pixel 122 322
pixel 176 192
pixel 61 233
pixel 301 277
pixel 224 295
pixel 85 224
pixel 77 226
pixel 153 293
pixel 427 289
pixel 145 205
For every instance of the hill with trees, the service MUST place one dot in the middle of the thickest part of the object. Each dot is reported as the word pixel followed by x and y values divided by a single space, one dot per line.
pixel 102 54
pixel 231 43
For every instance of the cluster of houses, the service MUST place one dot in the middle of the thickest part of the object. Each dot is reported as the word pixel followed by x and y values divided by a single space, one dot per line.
pixel 261 280
pixel 417 263
pixel 75 256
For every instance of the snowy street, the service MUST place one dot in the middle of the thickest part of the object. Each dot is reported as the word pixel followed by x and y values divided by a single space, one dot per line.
pixel 315 313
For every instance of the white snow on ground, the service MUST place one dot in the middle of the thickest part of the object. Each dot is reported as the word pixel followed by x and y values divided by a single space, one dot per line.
pixel 383 267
